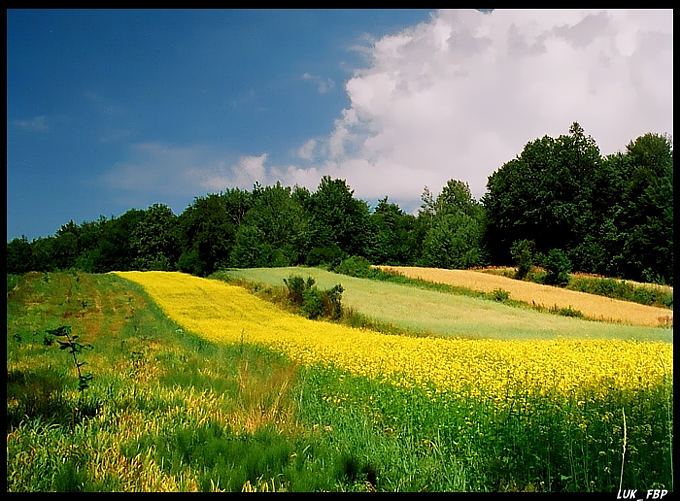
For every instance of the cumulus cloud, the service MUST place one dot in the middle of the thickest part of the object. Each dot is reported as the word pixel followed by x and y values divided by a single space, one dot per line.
pixel 244 174
pixel 36 124
pixel 461 94
pixel 306 151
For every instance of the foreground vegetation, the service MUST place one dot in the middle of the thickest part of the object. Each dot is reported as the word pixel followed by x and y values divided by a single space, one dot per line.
pixel 232 393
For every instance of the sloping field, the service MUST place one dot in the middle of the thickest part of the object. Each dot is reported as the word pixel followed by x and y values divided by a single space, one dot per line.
pixel 502 270
pixel 225 313
pixel 592 306
pixel 445 314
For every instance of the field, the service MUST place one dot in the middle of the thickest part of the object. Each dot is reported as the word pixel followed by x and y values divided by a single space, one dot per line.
pixel 199 385
pixel 444 314
pixel 592 306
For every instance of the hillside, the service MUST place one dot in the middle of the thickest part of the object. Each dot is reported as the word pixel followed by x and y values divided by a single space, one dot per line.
pixel 592 306
pixel 199 385
pixel 451 315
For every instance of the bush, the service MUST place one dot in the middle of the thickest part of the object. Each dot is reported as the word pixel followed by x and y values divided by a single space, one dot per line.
pixel 501 295
pixel 522 252
pixel 558 267
pixel 355 266
pixel 569 312
pixel 332 302
pixel 314 303
pixel 296 288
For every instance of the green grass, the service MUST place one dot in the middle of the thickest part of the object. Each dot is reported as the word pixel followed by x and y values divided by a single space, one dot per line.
pixel 167 410
pixel 442 313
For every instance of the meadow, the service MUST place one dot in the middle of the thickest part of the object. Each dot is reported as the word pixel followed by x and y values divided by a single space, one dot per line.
pixel 455 315
pixel 199 385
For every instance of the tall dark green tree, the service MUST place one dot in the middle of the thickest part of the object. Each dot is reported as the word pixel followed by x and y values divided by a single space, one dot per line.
pixel 19 256
pixel 208 231
pixel 455 225
pixel 544 195
pixel 646 215
pixel 65 247
pixel 338 221
pixel 274 232
pixel 155 239
pixel 609 215
pixel 392 235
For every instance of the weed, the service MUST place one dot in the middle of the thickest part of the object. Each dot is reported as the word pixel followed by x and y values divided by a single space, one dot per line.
pixel 74 348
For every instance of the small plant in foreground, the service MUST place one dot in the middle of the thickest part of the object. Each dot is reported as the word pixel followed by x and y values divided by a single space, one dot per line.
pixel 74 348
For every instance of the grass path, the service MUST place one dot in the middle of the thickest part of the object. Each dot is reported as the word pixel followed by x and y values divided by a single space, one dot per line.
pixel 445 314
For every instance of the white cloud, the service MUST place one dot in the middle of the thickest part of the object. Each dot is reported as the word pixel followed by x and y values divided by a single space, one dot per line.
pixel 170 170
pixel 461 94
pixel 306 151
pixel 323 85
pixel 35 124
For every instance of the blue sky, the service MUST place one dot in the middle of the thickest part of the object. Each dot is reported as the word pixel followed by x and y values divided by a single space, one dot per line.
pixel 110 110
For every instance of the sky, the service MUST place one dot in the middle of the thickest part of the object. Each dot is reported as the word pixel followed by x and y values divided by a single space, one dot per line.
pixel 109 110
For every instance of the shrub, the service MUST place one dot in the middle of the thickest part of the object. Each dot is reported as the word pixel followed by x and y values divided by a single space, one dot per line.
pixel 501 295
pixel 332 302
pixel 569 312
pixel 313 302
pixel 558 266
pixel 296 288
pixel 355 266
pixel 522 252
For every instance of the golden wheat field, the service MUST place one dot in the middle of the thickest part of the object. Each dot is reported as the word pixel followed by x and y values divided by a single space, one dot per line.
pixel 592 306
pixel 492 369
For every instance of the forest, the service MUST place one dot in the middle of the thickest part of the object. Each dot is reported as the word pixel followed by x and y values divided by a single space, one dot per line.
pixel 560 199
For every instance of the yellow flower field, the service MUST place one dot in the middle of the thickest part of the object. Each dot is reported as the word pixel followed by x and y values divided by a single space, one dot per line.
pixel 592 306
pixel 225 313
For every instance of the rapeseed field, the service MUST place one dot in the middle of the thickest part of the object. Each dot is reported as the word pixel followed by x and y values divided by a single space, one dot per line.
pixel 482 368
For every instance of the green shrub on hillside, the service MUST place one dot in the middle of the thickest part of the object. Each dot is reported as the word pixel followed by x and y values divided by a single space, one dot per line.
pixel 522 252
pixel 558 267
pixel 314 303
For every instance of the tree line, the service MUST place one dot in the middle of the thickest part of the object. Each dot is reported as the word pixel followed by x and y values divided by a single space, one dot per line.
pixel 611 215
